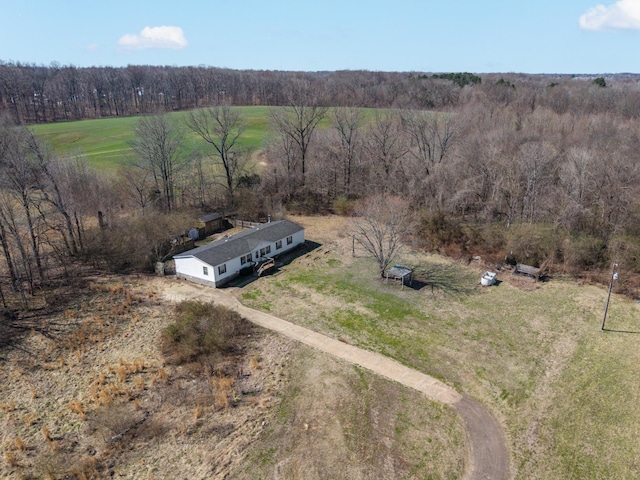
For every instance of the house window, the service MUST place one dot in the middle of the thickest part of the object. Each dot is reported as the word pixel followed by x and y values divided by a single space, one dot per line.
pixel 205 270
pixel 257 255
pixel 222 268
pixel 278 244
pixel 245 258
pixel 262 252
pixel 289 240
pixel 267 249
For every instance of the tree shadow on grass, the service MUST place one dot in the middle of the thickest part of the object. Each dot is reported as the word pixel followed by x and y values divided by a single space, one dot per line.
pixel 16 326
pixel 446 279
pixel 10 335
pixel 43 314
pixel 610 330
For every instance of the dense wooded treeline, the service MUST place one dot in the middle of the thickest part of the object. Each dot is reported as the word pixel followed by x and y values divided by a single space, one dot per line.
pixel 537 169
pixel 35 94
pixel 38 93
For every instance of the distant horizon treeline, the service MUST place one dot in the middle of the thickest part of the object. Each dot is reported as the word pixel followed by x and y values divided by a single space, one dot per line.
pixel 33 94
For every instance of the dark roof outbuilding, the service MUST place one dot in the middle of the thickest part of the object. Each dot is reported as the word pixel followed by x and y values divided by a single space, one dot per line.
pixel 209 217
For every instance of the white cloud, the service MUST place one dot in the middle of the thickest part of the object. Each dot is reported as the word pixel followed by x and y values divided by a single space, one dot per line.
pixel 624 14
pixel 171 38
pixel 92 47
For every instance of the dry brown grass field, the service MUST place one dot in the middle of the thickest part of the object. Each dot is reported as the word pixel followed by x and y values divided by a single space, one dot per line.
pixel 97 399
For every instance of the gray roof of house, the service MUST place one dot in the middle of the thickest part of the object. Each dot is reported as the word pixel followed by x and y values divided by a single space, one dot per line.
pixel 225 249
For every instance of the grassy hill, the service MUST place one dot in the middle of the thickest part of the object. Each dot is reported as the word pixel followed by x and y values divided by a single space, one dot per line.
pixel 106 142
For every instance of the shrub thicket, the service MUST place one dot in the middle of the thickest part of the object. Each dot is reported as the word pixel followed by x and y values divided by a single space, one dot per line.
pixel 585 253
pixel 532 244
pixel 201 332
pixel 439 230
pixel 134 243
pixel 343 205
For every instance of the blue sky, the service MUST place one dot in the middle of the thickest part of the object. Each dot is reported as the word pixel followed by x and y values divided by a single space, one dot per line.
pixel 481 36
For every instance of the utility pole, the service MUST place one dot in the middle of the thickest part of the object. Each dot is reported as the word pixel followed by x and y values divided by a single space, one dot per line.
pixel 614 276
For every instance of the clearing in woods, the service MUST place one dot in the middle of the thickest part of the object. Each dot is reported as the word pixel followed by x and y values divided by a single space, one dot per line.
pixel 531 353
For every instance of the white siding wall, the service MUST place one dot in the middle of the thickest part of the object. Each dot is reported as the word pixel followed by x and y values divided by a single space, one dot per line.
pixel 192 267
pixel 263 245
pixel 233 268
pixel 298 238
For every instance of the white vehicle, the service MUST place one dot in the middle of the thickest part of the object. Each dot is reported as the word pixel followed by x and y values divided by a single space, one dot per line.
pixel 488 279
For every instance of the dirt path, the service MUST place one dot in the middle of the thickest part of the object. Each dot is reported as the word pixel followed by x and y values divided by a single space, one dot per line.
pixel 488 457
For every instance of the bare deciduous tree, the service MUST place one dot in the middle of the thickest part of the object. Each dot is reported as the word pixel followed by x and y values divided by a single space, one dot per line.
pixel 157 143
pixel 431 135
pixel 385 145
pixel 19 180
pixel 8 257
pixel 537 163
pixel 51 182
pixel 221 127
pixel 379 226
pixel 282 150
pixel 299 119
pixel 135 185
pixel 347 122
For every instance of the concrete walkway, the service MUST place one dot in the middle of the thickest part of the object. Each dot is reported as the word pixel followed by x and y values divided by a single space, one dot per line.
pixel 488 458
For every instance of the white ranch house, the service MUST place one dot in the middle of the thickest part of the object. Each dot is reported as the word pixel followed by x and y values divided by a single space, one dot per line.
pixel 218 262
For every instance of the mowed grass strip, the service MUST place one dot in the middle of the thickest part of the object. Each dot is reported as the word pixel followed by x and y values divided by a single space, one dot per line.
pixel 337 420
pixel 592 429
pixel 532 353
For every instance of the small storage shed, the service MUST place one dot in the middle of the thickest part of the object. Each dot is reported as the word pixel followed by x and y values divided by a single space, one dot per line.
pixel 218 262
pixel 399 272
pixel 523 269
pixel 211 223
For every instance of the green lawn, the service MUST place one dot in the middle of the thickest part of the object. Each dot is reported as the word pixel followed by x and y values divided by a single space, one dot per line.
pixel 566 392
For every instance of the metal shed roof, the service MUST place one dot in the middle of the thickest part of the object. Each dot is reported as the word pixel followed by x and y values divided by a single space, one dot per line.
pixel 225 249
pixel 398 271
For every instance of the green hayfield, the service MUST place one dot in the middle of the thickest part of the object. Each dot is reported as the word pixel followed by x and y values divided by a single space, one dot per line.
pixel 565 392
pixel 105 142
